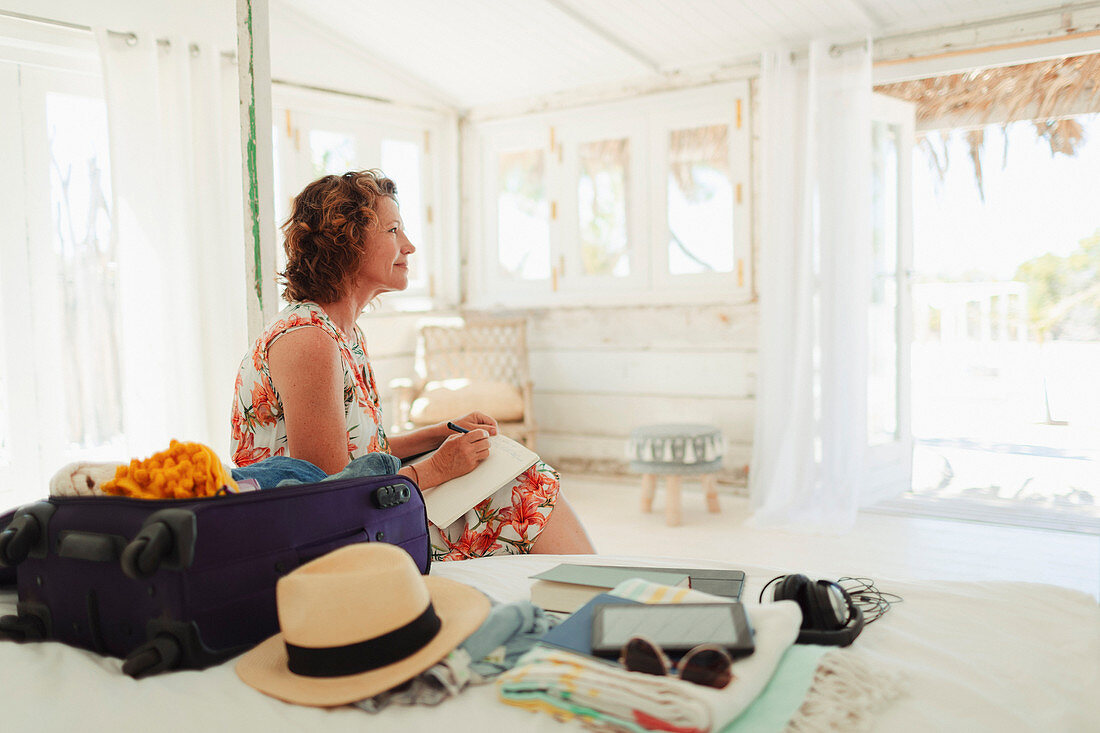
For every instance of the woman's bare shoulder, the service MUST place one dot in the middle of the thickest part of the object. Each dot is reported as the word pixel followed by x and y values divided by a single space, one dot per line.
pixel 310 347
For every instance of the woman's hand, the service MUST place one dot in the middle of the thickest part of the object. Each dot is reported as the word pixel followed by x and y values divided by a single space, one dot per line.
pixel 459 454
pixel 422 440
pixel 477 421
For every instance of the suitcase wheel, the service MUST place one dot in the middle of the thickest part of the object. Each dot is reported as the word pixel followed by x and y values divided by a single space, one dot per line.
pixel 143 555
pixel 159 654
pixel 22 628
pixel 17 540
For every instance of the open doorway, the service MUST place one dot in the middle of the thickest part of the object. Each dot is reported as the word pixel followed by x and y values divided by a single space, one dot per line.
pixel 1006 294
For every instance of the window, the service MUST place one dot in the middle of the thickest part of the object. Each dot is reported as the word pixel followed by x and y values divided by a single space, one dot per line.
pixel 57 405
pixel 85 264
pixel 402 160
pixel 331 152
pixel 883 310
pixel 523 215
pixel 602 203
pixel 700 201
pixel 317 134
pixel 973 320
pixel 640 200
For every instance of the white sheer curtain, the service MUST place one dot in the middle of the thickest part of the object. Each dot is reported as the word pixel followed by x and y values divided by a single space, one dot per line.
pixel 176 217
pixel 814 279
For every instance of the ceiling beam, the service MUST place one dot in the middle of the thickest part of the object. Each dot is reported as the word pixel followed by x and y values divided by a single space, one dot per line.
pixel 605 34
pixel 612 91
pixel 1064 31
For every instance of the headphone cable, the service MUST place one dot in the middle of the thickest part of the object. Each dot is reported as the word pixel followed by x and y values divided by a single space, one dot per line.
pixel 873 602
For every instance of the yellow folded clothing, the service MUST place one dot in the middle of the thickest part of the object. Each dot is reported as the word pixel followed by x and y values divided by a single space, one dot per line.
pixel 184 471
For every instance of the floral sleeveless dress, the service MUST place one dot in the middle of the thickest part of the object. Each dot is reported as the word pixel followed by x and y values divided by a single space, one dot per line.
pixel 508 522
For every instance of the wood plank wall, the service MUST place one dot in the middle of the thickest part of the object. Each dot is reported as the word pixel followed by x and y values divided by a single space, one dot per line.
pixel 600 372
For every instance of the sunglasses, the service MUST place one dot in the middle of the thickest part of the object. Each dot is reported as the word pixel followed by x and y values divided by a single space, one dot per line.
pixel 706 664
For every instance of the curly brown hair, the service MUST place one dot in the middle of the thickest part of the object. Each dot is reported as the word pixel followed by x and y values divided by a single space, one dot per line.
pixel 325 234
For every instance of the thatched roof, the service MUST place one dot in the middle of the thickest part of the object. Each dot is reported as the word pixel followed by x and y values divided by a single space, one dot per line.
pixel 1047 93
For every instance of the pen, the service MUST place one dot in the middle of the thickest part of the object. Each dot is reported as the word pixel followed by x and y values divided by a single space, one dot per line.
pixel 457 428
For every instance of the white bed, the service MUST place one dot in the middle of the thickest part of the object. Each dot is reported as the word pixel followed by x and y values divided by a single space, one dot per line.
pixel 973 657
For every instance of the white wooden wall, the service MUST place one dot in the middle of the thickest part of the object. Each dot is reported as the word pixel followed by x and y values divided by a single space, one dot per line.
pixel 599 372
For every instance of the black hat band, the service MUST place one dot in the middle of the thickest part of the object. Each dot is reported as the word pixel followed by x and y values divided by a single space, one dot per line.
pixel 363 656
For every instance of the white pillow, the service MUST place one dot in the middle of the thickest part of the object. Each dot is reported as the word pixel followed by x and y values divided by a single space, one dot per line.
pixel 451 398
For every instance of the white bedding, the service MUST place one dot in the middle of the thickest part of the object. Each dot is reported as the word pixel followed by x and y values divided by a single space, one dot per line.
pixel 974 657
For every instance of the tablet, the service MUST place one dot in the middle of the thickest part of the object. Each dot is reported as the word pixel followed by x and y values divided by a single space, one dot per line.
pixel 675 627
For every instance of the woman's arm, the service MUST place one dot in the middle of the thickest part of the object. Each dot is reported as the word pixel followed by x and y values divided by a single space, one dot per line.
pixel 418 441
pixel 307 375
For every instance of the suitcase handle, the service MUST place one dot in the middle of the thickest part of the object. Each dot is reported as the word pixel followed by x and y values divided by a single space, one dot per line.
pixel 90 546
pixel 22 628
pixel 142 556
pixel 25 535
pixel 166 539
pixel 18 538
pixel 159 654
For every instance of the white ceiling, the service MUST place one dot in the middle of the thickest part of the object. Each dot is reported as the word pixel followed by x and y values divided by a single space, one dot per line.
pixel 478 52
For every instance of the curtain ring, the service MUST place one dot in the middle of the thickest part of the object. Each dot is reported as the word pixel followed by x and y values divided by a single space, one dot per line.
pixel 129 38
pixel 194 48
pixel 835 51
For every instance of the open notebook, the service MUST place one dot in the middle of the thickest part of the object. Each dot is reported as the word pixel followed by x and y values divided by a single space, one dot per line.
pixel 451 499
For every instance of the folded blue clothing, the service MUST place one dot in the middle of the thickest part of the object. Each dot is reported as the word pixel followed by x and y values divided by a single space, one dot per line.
pixel 285 471
pixel 515 627
pixel 509 632
pixel 371 464
pixel 270 472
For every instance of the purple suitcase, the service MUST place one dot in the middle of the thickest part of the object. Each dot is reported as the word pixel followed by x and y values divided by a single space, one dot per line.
pixel 170 584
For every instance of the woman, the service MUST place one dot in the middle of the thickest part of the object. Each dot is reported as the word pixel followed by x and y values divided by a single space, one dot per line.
pixel 306 390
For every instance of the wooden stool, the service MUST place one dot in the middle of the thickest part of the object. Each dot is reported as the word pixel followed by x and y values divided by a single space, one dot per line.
pixel 674 451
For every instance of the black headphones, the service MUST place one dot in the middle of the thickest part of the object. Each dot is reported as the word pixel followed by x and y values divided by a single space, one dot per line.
pixel 829 616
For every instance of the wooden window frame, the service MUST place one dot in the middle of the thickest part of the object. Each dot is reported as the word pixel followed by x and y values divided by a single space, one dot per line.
pixel 298 111
pixel 646 122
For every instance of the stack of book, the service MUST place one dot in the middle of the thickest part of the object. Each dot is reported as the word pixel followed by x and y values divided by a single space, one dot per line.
pixel 569 586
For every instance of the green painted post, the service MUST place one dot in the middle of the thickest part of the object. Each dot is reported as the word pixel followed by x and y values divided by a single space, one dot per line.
pixel 254 83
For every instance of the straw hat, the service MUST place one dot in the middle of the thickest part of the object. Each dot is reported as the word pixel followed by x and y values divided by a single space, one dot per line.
pixel 356 622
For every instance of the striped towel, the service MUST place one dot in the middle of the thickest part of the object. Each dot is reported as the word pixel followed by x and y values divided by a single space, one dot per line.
pixel 573 686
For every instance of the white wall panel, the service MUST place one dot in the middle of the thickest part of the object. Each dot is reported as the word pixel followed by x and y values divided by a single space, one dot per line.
pixel 613 416
pixel 679 373
pixel 601 372
pixel 386 369
pixel 654 327
pixel 394 334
